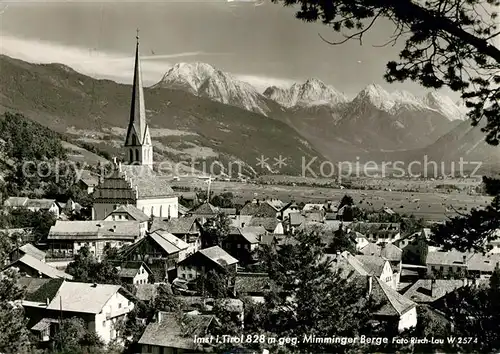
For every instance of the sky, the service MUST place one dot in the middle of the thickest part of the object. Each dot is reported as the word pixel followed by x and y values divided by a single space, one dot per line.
pixel 258 42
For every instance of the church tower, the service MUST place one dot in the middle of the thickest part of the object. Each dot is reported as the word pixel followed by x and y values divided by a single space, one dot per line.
pixel 138 147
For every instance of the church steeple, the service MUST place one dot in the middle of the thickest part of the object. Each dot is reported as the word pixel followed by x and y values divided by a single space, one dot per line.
pixel 138 141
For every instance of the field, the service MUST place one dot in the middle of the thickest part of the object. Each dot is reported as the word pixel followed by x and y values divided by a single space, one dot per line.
pixel 432 206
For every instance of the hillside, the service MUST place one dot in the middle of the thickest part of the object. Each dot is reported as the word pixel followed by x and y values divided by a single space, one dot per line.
pixel 183 126
pixel 464 142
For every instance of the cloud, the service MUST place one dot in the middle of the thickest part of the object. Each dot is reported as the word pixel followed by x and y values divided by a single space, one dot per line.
pixel 114 66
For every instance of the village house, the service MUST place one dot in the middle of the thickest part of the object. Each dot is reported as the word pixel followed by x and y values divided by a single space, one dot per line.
pixel 88 181
pixel 133 272
pixel 129 212
pixel 258 208
pixel 27 248
pixel 309 208
pixel 136 183
pixel 168 334
pixel 376 266
pixel 359 238
pixel 386 251
pixel 381 268
pixel 29 266
pixel 205 260
pixel 378 232
pixel 242 220
pixel 293 222
pixel 393 308
pixel 277 204
pixel 68 208
pixel 204 211
pixel 289 208
pixel 32 204
pixel 67 237
pixel 188 229
pixel 160 250
pixel 459 264
pixel 241 243
pixel 415 246
pixel 271 225
pixel 100 306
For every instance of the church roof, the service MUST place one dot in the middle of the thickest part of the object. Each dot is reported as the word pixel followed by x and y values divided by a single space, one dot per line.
pixel 127 180
pixel 149 184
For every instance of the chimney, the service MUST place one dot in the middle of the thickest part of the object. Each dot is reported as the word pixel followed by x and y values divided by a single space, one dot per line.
pixel 119 166
pixel 47 302
pixel 433 285
pixel 115 161
pixel 159 317
pixel 464 259
pixel 370 285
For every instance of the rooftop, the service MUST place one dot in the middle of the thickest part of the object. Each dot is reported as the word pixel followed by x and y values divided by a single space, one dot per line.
pixel 83 297
pixel 175 226
pixel 135 213
pixel 218 255
pixel 41 267
pixel 32 251
pixel 71 230
pixel 386 250
pixel 392 303
pixel 424 291
pixel 268 223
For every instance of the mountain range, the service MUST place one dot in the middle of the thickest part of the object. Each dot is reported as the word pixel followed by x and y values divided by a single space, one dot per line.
pixel 196 110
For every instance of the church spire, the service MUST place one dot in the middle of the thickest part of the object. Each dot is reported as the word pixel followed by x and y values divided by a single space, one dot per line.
pixel 138 141
pixel 137 108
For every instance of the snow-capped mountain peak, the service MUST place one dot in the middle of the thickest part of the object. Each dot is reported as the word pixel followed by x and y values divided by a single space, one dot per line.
pixel 375 95
pixel 189 75
pixel 204 80
pixel 444 105
pixel 310 93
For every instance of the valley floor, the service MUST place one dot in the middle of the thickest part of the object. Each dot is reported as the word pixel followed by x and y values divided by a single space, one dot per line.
pixel 432 206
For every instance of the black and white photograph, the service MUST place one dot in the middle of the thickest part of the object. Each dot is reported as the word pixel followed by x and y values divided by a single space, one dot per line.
pixel 249 176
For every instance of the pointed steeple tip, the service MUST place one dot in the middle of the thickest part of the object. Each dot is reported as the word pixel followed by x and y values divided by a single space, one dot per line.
pixel 137 35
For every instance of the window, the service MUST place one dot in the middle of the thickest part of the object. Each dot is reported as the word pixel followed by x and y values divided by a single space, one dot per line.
pixel 238 245
pixel 120 305
pixel 190 276
pixel 104 323
pixel 137 154
pixel 131 157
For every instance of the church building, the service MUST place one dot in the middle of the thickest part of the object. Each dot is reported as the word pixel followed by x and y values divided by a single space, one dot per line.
pixel 135 182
